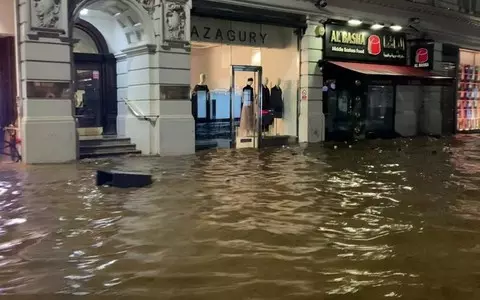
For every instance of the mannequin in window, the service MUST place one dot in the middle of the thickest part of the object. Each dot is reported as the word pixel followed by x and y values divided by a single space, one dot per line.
pixel 198 89
pixel 265 94
pixel 267 113
pixel 247 116
pixel 276 99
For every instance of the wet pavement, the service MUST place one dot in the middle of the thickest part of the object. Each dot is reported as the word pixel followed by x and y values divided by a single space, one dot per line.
pixel 380 220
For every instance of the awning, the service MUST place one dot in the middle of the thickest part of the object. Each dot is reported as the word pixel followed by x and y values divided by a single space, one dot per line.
pixel 387 70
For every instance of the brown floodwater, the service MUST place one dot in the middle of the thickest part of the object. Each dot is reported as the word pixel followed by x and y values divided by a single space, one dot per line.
pixel 396 219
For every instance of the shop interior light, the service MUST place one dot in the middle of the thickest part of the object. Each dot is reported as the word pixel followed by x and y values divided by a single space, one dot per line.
pixel 377 26
pixel 84 12
pixel 354 22
pixel 396 27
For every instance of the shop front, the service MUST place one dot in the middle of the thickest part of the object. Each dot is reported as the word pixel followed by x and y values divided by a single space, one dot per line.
pixel 244 83
pixel 370 90
pixel 468 96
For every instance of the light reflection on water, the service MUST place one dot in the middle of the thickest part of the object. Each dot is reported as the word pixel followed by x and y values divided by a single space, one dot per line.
pixel 384 219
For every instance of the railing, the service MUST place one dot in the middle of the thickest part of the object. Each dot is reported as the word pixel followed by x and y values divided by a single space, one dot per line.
pixel 465 6
pixel 137 113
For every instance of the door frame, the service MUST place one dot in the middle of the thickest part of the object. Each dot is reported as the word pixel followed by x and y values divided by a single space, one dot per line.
pixel 107 65
pixel 257 70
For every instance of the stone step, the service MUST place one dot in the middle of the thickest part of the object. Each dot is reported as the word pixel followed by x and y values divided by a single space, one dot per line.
pixel 127 146
pixel 91 147
pixel 104 141
pixel 108 152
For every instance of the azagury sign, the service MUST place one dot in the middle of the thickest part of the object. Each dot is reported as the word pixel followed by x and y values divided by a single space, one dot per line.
pixel 239 33
pixel 350 43
pixel 222 35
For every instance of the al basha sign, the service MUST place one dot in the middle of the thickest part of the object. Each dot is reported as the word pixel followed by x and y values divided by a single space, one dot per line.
pixel 345 37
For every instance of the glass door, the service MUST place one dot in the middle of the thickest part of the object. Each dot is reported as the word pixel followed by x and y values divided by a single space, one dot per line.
pixel 246 93
pixel 379 114
pixel 88 99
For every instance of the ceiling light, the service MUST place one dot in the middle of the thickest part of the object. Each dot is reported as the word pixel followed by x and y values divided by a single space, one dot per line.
pixel 396 27
pixel 376 26
pixel 354 22
pixel 84 12
pixel 137 24
pixel 117 14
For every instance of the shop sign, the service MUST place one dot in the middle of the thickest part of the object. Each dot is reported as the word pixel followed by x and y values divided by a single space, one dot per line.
pixel 238 33
pixel 304 95
pixel 230 35
pixel 421 55
pixel 359 44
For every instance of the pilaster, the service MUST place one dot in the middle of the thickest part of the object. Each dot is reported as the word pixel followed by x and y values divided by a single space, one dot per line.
pixel 175 127
pixel 48 129
pixel 311 119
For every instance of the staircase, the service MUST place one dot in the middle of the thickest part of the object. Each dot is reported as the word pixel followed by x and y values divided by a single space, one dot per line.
pixel 93 146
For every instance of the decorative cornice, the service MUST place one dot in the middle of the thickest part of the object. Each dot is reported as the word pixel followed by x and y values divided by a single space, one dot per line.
pixel 140 49
pixel 148 5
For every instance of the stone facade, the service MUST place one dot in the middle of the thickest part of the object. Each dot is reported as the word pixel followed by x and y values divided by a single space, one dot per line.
pixel 311 118
pixel 153 66
pixel 47 125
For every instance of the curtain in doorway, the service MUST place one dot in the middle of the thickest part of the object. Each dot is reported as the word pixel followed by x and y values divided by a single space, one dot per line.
pixel 8 93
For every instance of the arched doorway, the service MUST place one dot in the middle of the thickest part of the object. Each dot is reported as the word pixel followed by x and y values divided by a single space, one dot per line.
pixel 95 82
pixel 120 34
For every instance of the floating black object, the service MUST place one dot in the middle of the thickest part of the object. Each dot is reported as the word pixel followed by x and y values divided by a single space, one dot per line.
pixel 123 179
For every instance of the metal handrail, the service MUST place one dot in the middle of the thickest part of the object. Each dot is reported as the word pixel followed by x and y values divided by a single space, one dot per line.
pixel 137 113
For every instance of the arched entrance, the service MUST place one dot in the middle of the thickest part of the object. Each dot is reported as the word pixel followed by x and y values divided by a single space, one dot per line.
pixel 95 82
pixel 109 36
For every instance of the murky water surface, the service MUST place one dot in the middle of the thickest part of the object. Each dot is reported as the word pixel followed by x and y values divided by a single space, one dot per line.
pixel 381 220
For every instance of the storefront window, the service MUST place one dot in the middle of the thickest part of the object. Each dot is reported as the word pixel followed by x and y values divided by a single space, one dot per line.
pixel 217 45
pixel 468 105
pixel 379 108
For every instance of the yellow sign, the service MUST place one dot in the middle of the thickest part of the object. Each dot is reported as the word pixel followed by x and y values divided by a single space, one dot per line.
pixel 345 37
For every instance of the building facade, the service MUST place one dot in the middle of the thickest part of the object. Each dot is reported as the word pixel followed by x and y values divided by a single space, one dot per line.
pixel 127 67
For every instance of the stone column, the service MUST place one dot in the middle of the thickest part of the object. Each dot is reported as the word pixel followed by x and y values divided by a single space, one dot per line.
pixel 432 107
pixel 175 127
pixel 139 85
pixel 311 119
pixel 48 129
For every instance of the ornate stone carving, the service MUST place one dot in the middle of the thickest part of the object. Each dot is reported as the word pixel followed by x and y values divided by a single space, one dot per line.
pixel 148 5
pixel 46 13
pixel 175 22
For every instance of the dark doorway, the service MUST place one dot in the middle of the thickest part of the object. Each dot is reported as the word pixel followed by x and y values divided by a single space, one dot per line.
pixel 95 82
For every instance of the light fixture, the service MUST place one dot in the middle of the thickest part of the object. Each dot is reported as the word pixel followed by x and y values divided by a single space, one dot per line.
pixel 396 27
pixel 354 22
pixel 117 14
pixel 137 24
pixel 377 26
pixel 84 12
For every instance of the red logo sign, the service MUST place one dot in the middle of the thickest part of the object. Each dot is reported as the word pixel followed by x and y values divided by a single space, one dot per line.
pixel 421 56
pixel 374 45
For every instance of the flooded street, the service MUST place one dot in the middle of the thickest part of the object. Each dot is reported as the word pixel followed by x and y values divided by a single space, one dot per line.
pixel 381 220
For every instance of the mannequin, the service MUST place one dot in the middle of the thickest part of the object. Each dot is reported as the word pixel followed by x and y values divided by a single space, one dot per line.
pixel 247 116
pixel 265 94
pixel 276 99
pixel 200 89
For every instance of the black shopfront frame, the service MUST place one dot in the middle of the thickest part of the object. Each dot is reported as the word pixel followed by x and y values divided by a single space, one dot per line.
pixel 356 85
pixel 344 43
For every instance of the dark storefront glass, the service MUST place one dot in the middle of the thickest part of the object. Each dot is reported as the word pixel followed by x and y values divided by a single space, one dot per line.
pixel 379 116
